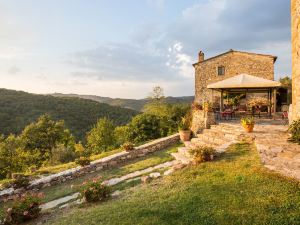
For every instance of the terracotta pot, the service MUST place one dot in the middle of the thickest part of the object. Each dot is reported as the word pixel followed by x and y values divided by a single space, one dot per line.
pixel 185 135
pixel 249 128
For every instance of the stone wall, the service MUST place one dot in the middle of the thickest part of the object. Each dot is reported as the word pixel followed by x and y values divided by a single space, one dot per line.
pixel 110 161
pixel 202 120
pixel 235 63
pixel 295 9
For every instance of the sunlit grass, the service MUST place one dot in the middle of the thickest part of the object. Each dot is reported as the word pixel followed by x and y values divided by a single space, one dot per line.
pixel 234 189
pixel 72 186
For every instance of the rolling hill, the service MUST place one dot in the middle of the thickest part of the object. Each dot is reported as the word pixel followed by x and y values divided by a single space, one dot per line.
pixel 18 109
pixel 135 104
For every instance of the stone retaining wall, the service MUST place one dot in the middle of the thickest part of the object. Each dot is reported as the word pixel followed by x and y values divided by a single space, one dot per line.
pixel 202 120
pixel 97 165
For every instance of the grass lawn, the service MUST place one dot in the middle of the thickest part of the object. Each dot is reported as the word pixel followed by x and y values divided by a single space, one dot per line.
pixel 72 186
pixel 234 189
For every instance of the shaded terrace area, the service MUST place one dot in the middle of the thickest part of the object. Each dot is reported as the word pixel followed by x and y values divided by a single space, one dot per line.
pixel 247 85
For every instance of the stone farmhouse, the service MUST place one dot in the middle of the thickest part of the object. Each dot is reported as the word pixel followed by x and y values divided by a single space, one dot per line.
pixel 232 64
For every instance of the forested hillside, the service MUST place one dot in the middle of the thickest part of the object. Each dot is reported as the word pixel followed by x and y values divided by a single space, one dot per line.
pixel 18 109
pixel 135 104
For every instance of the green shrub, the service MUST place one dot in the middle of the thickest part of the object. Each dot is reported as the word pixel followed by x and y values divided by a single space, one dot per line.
pixel 95 191
pixel 128 146
pixel 20 180
pixel 122 134
pixel 294 130
pixel 185 123
pixel 203 154
pixel 144 127
pixel 23 208
pixel 5 183
pixel 62 154
pixel 83 161
pixel 101 137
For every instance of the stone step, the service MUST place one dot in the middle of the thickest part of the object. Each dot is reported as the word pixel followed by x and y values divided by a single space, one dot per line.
pixel 213 138
pixel 227 129
pixel 182 158
pixel 189 144
pixel 199 142
pixel 220 134
pixel 184 151
pixel 230 125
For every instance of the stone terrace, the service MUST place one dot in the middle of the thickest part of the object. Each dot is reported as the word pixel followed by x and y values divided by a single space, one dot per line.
pixel 270 138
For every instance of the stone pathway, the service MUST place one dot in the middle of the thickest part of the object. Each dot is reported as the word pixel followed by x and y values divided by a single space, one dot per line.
pixel 276 152
pixel 67 200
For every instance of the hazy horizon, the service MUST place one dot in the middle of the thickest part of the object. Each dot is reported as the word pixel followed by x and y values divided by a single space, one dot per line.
pixel 121 49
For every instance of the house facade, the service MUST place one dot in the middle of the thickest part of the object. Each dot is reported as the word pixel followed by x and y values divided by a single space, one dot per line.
pixel 295 10
pixel 226 65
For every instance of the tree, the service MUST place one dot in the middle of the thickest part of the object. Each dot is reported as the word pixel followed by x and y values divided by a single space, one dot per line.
pixel 122 134
pixel 12 156
pixel 144 127
pixel 157 93
pixel 101 137
pixel 286 82
pixel 45 135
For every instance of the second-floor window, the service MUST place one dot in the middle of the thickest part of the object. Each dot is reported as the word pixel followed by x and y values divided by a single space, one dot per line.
pixel 221 70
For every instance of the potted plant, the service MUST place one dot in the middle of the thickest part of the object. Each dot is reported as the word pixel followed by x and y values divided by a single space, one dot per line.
pixel 184 128
pixel 248 124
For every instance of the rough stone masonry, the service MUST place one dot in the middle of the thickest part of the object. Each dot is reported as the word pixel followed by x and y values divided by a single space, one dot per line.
pixel 295 9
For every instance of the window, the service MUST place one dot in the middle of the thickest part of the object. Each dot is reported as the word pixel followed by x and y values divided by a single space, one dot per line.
pixel 221 70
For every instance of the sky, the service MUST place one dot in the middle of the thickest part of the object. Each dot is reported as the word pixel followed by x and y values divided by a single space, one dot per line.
pixel 122 48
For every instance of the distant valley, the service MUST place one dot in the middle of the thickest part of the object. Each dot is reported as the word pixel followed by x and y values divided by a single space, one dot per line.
pixel 135 104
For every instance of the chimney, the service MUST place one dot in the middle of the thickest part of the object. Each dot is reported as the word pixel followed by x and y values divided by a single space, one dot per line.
pixel 201 56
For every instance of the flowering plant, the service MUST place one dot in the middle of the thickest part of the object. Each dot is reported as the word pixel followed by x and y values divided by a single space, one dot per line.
pixel 257 101
pixel 24 208
pixel 94 191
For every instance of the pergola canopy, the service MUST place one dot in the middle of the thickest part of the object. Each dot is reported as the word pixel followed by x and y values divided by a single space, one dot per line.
pixel 244 81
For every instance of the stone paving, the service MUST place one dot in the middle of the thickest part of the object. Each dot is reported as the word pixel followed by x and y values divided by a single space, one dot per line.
pixel 276 152
pixel 271 139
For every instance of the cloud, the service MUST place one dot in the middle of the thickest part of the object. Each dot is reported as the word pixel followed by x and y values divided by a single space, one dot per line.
pixel 157 4
pixel 157 53
pixel 219 25
pixel 14 70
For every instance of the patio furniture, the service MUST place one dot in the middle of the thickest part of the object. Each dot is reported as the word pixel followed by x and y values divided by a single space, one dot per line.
pixel 285 116
pixel 227 114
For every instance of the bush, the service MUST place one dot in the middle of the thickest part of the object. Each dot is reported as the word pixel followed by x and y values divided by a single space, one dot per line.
pixel 144 127
pixel 4 184
pixel 95 191
pixel 128 146
pixel 203 154
pixel 62 154
pixel 83 161
pixel 23 209
pixel 20 180
pixel 294 130
pixel 101 138
pixel 122 134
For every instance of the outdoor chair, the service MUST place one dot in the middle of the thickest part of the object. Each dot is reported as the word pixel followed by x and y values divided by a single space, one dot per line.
pixel 285 117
